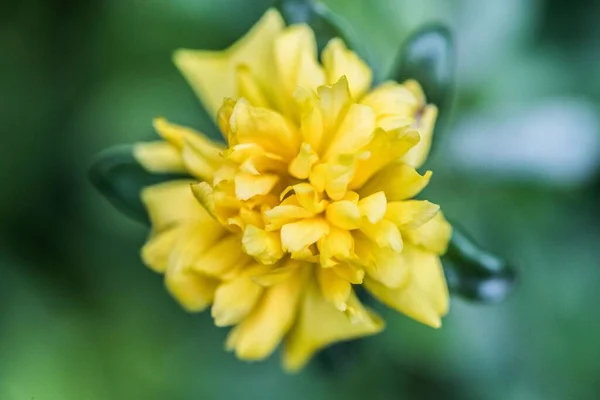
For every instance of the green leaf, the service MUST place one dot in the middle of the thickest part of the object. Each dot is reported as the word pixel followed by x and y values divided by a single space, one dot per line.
pixel 120 178
pixel 475 273
pixel 428 57
pixel 325 23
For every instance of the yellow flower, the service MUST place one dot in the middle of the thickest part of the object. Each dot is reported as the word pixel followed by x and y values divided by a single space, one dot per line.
pixel 311 194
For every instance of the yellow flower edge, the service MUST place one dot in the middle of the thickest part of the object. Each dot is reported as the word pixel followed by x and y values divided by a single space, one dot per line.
pixel 312 194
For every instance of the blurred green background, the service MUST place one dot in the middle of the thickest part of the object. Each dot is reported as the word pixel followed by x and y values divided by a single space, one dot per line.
pixel 518 164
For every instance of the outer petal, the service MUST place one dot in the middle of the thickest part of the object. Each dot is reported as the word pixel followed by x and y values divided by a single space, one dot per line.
pixel 201 156
pixel 296 60
pixel 159 157
pixel 321 324
pixel 212 73
pixel 433 235
pixel 259 334
pixel 383 265
pixel 193 290
pixel 398 181
pixel 264 127
pixel 411 214
pixel 393 104
pixel 425 124
pixel 172 203
pixel 235 299
pixel 425 296
pixel 354 132
pixel 339 61
pixel 385 148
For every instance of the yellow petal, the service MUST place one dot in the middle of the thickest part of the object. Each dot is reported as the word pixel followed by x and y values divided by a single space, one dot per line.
pixel 301 165
pixel 339 61
pixel 434 235
pixel 394 105
pixel 350 272
pixel 397 181
pixel 311 118
pixel 249 185
pixel 193 291
pixel 277 275
pixel 200 155
pixel 384 233
pixel 262 245
pixel 373 207
pixel 307 197
pixel 410 214
pixel 235 299
pixel 264 127
pixel 159 157
pixel 337 175
pixel 212 73
pixel 222 257
pixel 296 59
pixel 298 235
pixel 385 148
pixel 257 336
pixel 425 124
pixel 177 135
pixel 425 296
pixel 334 102
pixel 249 88
pixel 333 288
pixel 382 264
pixel 320 324
pixel 157 250
pixel 353 133
pixel 204 193
pixel 338 244
pixel 172 203
pixel 343 214
pixel 278 216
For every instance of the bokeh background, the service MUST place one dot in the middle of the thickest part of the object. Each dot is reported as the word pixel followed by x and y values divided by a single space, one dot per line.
pixel 81 318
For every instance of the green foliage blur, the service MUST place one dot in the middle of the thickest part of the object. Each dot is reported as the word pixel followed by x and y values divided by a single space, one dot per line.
pixel 81 317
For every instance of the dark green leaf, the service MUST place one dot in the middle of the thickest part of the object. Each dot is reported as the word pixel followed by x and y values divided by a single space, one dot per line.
pixel 475 273
pixel 120 178
pixel 325 23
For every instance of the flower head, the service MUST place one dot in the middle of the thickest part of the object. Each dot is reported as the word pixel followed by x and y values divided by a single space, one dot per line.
pixel 311 194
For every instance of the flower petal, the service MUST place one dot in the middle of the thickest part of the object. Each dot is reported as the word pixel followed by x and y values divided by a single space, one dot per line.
pixel 425 296
pixel 333 288
pixel 235 299
pixel 381 264
pixel 264 127
pixel 434 235
pixel 339 61
pixel 373 207
pixel 248 185
pixel 212 73
pixel 262 245
pixel 411 214
pixel 397 181
pixel 298 235
pixel 172 202
pixel 353 133
pixel 257 336
pixel 343 214
pixel 425 124
pixel 221 258
pixel 296 59
pixel 320 324
pixel 159 157
pixel 385 148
